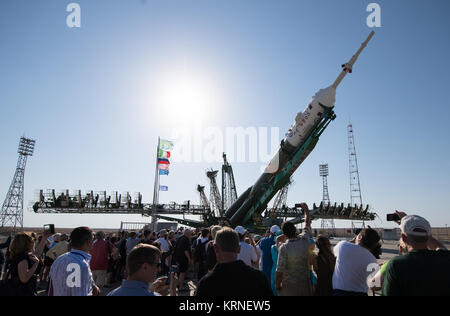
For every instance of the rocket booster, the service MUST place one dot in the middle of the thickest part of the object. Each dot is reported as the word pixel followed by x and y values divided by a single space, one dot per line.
pixel 303 124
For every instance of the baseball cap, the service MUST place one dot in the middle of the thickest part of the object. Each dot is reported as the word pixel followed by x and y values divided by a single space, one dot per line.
pixel 411 223
pixel 274 229
pixel 240 230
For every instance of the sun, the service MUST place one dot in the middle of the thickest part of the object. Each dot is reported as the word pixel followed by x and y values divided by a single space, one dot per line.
pixel 185 97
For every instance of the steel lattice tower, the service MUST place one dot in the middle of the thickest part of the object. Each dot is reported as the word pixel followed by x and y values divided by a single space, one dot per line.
pixel 355 186
pixel 12 209
pixel 326 223
pixel 229 194
pixel 215 200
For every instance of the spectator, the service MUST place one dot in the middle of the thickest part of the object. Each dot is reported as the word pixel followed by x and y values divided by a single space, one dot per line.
pixel 122 246
pixel 200 253
pixel 165 249
pixel 281 239
pixel 378 280
pixel 265 246
pixel 355 263
pixel 101 253
pixel 60 248
pixel 2 255
pixel 323 265
pixel 231 276
pixel 143 265
pixel 48 261
pixel 23 263
pixel 424 269
pixel 132 241
pixel 182 254
pixel 147 240
pixel 70 274
pixel 312 248
pixel 211 259
pixel 292 277
pixel 247 252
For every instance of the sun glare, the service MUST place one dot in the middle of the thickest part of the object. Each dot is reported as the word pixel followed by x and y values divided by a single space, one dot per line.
pixel 185 98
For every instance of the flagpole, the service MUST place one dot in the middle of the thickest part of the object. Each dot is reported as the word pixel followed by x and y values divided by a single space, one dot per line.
pixel 156 189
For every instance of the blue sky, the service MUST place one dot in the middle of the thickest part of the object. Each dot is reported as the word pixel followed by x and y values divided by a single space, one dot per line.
pixel 93 97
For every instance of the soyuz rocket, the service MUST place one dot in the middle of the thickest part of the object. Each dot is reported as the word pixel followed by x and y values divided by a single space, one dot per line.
pixel 256 197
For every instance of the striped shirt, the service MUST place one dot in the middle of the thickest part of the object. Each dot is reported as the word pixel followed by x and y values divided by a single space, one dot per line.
pixel 71 275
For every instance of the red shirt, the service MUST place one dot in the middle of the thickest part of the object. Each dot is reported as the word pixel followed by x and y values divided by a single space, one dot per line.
pixel 100 255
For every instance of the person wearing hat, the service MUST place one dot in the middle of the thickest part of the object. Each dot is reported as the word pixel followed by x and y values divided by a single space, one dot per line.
pixel 424 269
pixel 248 252
pixel 266 255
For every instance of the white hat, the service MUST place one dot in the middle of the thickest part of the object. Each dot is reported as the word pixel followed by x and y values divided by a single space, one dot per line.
pixel 410 223
pixel 240 230
pixel 274 229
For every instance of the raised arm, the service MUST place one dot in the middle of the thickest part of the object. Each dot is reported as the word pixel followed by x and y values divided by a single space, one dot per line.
pixel 305 210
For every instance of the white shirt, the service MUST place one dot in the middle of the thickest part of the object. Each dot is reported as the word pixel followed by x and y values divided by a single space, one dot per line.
pixel 354 264
pixel 164 244
pixel 71 274
pixel 247 254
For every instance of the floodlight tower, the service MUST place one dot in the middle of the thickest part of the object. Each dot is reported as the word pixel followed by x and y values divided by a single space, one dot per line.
pixel 12 209
pixel 326 223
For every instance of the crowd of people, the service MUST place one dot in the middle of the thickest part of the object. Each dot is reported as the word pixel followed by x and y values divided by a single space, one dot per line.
pixel 226 261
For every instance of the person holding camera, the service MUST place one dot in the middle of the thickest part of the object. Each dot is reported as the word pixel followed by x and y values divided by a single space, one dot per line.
pixel 23 264
pixel 355 262
pixel 424 269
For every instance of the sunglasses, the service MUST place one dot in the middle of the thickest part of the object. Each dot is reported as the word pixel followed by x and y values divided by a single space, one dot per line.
pixel 157 264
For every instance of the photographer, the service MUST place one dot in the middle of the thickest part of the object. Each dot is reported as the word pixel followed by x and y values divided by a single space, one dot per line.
pixel 423 270
pixel 353 262
pixel 23 265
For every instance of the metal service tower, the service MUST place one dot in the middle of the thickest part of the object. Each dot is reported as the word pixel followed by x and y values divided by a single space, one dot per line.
pixel 12 209
pixel 355 186
pixel 326 223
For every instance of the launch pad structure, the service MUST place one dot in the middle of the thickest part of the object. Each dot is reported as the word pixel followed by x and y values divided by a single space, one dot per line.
pixel 250 209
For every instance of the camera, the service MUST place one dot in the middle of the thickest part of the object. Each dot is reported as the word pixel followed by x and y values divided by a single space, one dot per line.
pixel 392 217
pixel 49 229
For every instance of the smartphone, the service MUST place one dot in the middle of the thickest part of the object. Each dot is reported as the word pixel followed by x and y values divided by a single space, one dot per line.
pixel 392 217
pixel 49 229
pixel 173 269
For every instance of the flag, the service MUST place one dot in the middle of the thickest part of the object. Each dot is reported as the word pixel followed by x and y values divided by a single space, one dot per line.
pixel 163 167
pixel 165 145
pixel 163 154
pixel 163 172
pixel 163 161
pixel 163 188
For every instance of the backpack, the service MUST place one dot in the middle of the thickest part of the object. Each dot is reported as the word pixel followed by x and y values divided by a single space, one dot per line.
pixel 200 251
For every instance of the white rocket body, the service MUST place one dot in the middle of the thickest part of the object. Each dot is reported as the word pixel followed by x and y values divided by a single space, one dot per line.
pixel 303 123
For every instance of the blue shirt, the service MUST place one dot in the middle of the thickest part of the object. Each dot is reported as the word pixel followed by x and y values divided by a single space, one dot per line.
pixel 133 288
pixel 265 245
pixel 71 275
